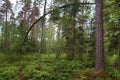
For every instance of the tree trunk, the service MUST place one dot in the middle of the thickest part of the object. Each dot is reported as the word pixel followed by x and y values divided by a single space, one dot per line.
pixel 50 30
pixel 119 51
pixel 59 42
pixel 6 33
pixel 72 50
pixel 43 30
pixel 99 51
pixel 33 20
pixel 25 10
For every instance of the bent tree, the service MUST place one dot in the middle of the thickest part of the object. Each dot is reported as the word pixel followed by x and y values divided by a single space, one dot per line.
pixel 99 51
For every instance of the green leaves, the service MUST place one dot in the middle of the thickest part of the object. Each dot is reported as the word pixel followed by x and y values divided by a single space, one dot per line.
pixel 55 15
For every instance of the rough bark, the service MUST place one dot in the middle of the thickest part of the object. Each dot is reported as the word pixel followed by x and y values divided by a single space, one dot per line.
pixel 99 51
pixel 33 20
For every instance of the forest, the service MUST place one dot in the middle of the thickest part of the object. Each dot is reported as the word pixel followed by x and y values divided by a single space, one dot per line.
pixel 59 39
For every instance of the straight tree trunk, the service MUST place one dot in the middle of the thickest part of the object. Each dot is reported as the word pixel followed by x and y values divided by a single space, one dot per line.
pixel 50 35
pixel 99 51
pixel 82 25
pixel 119 51
pixel 6 32
pixel 43 30
pixel 24 20
pixel 25 10
pixel 50 29
pixel 33 20
pixel 59 42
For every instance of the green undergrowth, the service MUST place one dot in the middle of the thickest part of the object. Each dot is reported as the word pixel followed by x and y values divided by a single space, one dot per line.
pixel 30 67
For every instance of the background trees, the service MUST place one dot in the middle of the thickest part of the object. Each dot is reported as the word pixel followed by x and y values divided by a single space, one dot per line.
pixel 70 29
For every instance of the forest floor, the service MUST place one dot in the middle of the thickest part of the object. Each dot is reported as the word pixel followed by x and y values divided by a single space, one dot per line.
pixel 30 67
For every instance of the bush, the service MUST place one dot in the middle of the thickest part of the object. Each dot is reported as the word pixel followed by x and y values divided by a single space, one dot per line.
pixel 9 73
pixel 114 73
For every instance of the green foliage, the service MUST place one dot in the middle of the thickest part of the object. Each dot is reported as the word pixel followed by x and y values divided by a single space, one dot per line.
pixel 114 73
pixel 68 66
pixel 111 60
pixel 8 73
pixel 71 31
pixel 111 27
pixel 49 68
pixel 55 15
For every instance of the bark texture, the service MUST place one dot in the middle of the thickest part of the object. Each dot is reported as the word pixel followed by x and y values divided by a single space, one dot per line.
pixel 99 52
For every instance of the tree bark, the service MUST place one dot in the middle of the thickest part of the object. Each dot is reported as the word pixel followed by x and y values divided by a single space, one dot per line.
pixel 33 20
pixel 43 30
pixel 99 51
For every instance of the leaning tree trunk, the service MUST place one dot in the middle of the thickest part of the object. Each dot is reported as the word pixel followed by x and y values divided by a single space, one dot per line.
pixel 99 51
